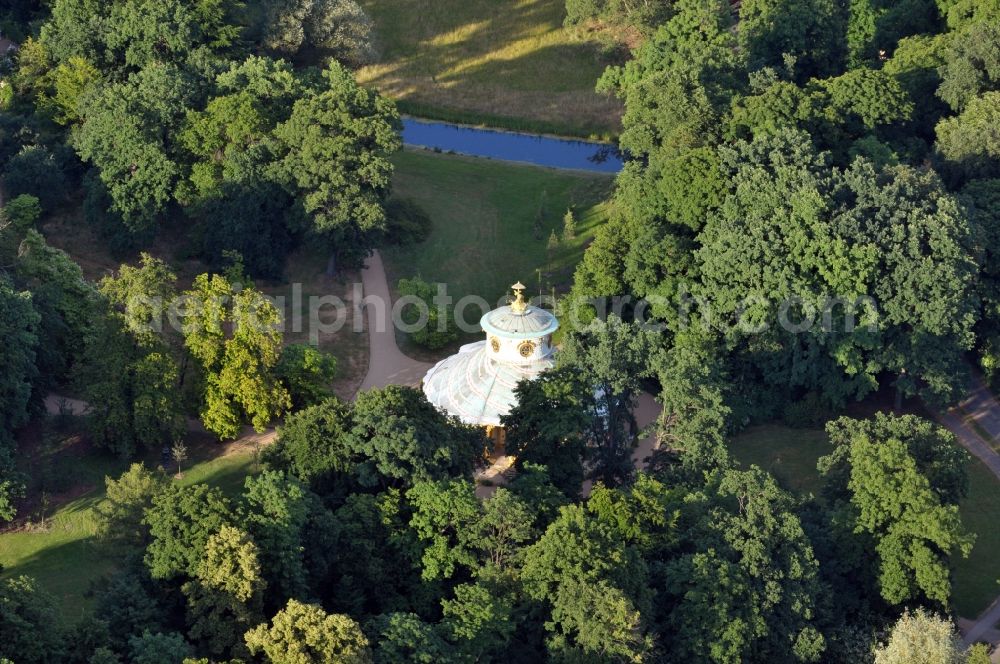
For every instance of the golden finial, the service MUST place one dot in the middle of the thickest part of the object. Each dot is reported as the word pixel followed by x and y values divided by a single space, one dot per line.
pixel 518 306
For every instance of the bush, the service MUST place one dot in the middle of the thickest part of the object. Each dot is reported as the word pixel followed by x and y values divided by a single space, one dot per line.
pixel 36 171
pixel 407 223
pixel 439 328
pixel 581 11
pixel 16 217
pixel 307 373
pixel 23 211
pixel 643 16
pixel 807 412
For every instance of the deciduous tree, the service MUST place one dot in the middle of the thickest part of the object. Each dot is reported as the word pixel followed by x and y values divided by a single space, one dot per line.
pixel 403 439
pixel 902 479
pixel 337 27
pixel 434 330
pixel 225 599
pixel 36 171
pixel 275 509
pixel 305 633
pixel 180 522
pixel 233 334
pixel 445 515
pixel 972 65
pixel 547 426
pixel 921 638
pixel 314 446
pixel 307 373
pixel 19 329
pixel 334 153
pixel 750 584
pixel 119 516
pixel 128 372
pixel 612 357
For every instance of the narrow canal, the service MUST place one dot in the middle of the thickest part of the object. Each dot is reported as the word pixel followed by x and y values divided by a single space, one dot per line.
pixel 512 146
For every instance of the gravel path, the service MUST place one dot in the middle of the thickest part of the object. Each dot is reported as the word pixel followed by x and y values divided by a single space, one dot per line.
pixel 387 365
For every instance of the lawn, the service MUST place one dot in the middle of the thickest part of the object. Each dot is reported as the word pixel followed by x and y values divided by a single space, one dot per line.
pixel 506 63
pixel 976 577
pixel 788 454
pixel 64 557
pixel 791 455
pixel 492 221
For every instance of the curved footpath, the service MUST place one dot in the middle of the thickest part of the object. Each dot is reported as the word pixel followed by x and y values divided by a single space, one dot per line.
pixel 387 365
pixel 982 408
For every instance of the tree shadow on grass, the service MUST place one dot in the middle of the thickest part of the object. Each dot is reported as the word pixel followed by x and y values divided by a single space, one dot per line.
pixel 501 59
pixel 67 572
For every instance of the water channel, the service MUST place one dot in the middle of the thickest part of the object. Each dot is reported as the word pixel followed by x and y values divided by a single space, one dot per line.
pixel 535 149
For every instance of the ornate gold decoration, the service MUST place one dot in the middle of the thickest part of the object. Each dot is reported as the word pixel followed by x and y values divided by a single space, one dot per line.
pixel 518 305
pixel 495 344
pixel 526 348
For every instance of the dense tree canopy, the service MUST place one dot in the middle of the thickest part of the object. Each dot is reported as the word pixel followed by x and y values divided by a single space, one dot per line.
pixel 899 480
pixel 226 597
pixel 338 27
pixel 313 446
pixel 128 371
pixel 180 522
pixel 174 114
pixel 19 322
pixel 27 617
pixel 404 439
pixel 334 152
pixel 611 356
pixel 752 584
pixel 547 426
pixel 807 216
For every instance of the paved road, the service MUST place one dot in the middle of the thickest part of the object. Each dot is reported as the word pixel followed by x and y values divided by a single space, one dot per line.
pixel 983 625
pixel 982 406
pixel 387 365
pixel 982 629
pixel 971 440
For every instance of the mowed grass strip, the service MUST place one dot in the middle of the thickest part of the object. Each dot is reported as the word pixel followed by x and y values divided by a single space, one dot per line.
pixel 505 63
pixel 492 221
pixel 791 456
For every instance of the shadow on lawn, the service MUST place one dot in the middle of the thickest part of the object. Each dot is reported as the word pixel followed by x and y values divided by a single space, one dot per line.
pixel 500 59
pixel 67 572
